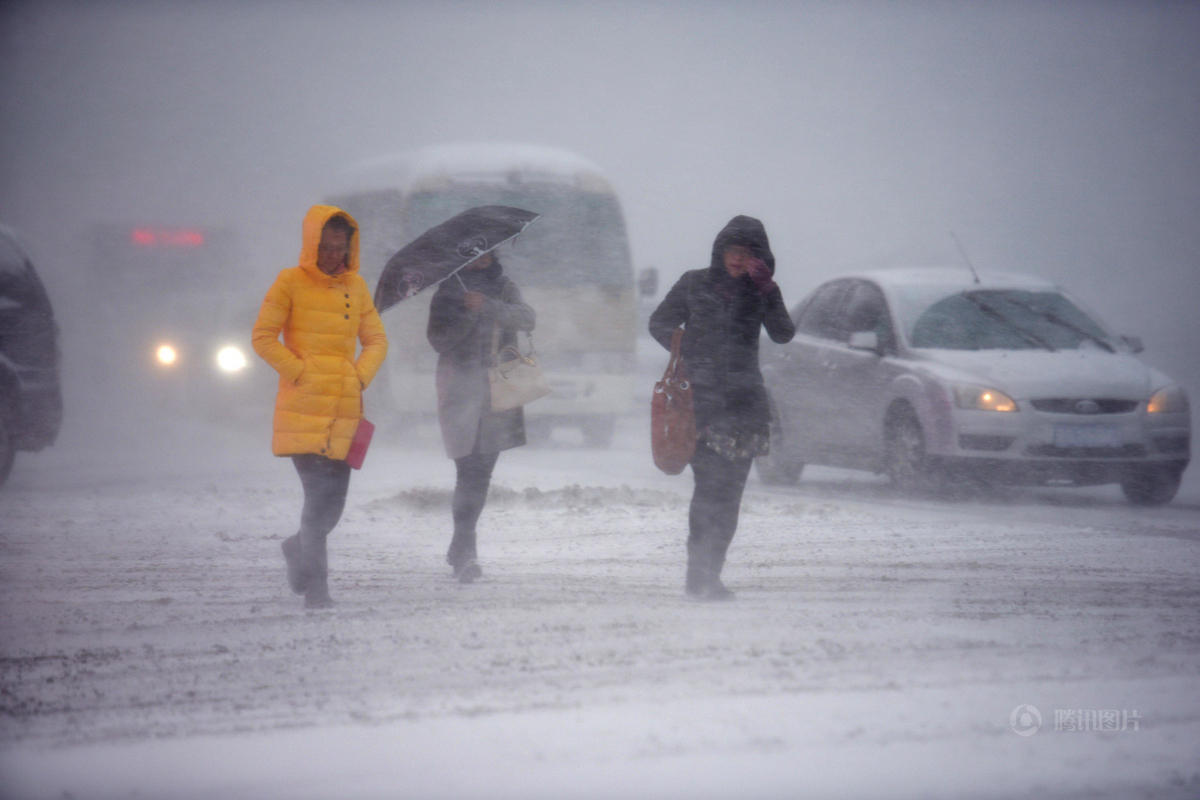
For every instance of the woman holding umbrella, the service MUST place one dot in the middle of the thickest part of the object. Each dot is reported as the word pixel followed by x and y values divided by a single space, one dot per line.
pixel 323 309
pixel 723 310
pixel 471 314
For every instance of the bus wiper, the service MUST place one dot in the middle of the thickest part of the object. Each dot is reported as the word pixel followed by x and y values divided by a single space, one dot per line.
pixel 1028 336
pixel 1050 316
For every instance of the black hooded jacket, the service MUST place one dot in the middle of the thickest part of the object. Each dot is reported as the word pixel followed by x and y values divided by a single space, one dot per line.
pixel 463 341
pixel 722 318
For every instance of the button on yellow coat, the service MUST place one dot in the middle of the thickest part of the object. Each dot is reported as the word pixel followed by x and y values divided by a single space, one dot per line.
pixel 322 319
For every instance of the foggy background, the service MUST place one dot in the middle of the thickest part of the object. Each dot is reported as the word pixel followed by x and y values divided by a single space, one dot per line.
pixel 881 644
pixel 1054 138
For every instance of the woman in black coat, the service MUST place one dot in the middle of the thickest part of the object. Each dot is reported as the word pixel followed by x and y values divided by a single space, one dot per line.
pixel 464 315
pixel 723 309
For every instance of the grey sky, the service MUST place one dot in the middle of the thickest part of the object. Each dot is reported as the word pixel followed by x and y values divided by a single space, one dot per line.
pixel 1057 138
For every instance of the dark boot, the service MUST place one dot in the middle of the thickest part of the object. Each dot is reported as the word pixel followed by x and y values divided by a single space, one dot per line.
pixel 462 558
pixel 468 571
pixel 705 585
pixel 703 580
pixel 316 569
pixel 317 593
pixel 698 573
pixel 717 590
pixel 295 571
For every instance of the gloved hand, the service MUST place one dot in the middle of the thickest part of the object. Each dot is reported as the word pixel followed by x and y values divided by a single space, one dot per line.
pixel 760 276
pixel 473 300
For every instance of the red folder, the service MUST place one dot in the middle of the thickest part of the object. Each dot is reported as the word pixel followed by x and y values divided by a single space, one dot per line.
pixel 359 444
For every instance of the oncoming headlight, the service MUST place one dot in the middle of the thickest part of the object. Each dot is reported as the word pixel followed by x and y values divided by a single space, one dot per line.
pixel 1168 400
pixel 981 398
pixel 165 355
pixel 231 359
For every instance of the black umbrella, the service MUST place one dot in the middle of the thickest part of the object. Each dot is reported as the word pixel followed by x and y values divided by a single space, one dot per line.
pixel 444 249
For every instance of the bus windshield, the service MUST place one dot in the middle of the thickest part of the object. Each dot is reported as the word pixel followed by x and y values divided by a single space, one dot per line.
pixel 578 241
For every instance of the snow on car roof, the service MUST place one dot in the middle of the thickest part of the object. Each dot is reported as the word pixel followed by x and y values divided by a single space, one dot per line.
pixel 953 277
pixel 481 160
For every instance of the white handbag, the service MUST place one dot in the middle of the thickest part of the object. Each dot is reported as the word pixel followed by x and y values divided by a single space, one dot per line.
pixel 515 378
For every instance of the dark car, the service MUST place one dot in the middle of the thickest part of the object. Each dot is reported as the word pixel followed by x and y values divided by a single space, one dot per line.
pixel 30 392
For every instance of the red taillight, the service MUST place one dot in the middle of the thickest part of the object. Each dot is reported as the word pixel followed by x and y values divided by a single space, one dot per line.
pixel 143 236
pixel 183 238
pixel 167 237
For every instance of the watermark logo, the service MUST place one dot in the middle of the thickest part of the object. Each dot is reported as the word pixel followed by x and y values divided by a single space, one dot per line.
pixel 1106 720
pixel 1025 720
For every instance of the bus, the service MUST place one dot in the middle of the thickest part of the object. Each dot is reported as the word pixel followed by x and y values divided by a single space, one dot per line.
pixel 572 265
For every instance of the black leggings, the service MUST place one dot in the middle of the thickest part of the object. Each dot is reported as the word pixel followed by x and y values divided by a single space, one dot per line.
pixel 473 476
pixel 325 483
pixel 713 515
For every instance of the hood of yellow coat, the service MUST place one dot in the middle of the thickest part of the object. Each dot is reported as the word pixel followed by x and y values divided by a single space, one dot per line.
pixel 314 223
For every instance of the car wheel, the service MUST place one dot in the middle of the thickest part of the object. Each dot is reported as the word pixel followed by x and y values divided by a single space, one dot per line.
pixel 776 469
pixel 1152 485
pixel 905 455
pixel 8 450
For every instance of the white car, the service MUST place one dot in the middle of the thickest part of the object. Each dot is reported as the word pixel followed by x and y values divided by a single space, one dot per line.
pixel 935 375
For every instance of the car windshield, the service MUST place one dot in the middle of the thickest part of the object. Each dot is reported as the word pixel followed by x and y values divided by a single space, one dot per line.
pixel 996 319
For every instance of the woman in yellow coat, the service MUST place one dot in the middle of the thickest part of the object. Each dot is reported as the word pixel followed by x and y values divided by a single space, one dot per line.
pixel 323 309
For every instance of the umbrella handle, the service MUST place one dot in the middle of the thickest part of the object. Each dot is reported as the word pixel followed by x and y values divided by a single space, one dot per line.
pixel 460 281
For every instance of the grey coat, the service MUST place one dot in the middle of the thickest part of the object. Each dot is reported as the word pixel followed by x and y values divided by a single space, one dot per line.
pixel 463 341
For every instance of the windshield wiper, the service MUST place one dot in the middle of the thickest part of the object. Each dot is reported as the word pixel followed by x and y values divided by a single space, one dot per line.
pixel 1050 316
pixel 1028 336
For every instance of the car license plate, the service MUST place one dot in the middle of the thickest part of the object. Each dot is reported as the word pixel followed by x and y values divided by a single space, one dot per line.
pixel 1087 436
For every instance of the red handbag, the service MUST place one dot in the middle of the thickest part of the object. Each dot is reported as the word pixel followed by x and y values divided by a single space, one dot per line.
pixel 360 443
pixel 672 420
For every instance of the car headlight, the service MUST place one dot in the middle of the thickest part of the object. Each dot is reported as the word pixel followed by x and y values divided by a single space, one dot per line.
pixel 982 398
pixel 165 355
pixel 1168 400
pixel 231 359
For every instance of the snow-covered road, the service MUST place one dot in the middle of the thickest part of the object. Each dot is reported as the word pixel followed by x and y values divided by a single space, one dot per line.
pixel 879 646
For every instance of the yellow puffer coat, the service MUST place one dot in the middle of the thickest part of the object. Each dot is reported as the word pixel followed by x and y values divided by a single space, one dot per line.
pixel 322 318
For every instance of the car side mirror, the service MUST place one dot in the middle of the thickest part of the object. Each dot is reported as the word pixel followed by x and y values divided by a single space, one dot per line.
pixel 1134 343
pixel 865 340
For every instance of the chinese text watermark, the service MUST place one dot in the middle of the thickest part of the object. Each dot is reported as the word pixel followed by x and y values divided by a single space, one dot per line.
pixel 1026 720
